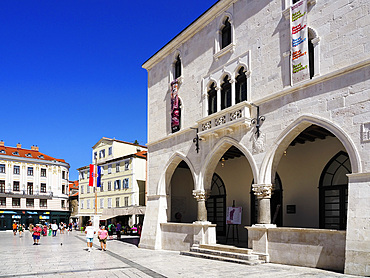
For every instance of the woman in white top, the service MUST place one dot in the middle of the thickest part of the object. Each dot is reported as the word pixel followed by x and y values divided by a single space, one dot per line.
pixel 89 231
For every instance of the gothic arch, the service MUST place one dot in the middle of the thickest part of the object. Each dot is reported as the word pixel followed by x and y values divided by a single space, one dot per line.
pixel 170 168
pixel 212 159
pixel 272 158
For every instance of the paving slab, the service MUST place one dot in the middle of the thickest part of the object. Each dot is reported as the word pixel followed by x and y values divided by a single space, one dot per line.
pixel 66 256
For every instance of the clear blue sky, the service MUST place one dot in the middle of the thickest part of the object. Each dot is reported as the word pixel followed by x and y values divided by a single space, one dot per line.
pixel 70 71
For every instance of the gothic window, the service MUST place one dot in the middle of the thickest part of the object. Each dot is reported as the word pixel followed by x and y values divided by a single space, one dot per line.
pixel 175 107
pixel 334 192
pixel 226 33
pixel 226 93
pixel 177 67
pixel 212 99
pixel 241 86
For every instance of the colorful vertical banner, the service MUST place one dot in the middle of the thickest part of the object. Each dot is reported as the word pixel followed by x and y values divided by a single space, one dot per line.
pixel 299 46
pixel 91 177
pixel 175 106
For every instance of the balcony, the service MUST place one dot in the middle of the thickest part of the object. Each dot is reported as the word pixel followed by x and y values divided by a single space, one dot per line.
pixel 225 121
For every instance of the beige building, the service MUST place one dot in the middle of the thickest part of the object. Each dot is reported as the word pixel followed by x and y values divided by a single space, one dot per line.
pixel 121 197
pixel 234 120
pixel 33 187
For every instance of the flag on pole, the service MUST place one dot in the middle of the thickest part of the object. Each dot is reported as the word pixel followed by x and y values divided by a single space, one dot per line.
pixel 91 177
pixel 98 179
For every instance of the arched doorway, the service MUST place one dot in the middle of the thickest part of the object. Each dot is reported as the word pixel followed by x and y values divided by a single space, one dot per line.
pixel 216 205
pixel 334 192
pixel 276 203
pixel 183 206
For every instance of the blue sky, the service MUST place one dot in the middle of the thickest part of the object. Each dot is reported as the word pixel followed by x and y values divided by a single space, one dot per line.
pixel 70 71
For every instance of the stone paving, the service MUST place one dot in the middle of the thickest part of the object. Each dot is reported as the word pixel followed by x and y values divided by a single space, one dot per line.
pixel 66 256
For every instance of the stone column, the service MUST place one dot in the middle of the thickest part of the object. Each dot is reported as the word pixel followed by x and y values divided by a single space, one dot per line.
pixel 232 81
pixel 218 98
pixel 200 196
pixel 263 193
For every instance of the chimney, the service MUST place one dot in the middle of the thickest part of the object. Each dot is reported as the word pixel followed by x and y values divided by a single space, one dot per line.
pixel 35 148
pixel 1 143
pixel 19 146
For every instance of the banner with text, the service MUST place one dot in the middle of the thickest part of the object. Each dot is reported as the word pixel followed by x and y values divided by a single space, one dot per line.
pixel 299 46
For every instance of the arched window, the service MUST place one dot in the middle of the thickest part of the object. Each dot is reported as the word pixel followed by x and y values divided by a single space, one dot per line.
pixel 334 192
pixel 311 56
pixel 241 86
pixel 216 205
pixel 212 99
pixel 177 67
pixel 226 93
pixel 226 33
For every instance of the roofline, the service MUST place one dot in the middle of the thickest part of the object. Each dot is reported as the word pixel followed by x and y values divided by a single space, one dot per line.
pixel 110 139
pixel 113 160
pixel 198 24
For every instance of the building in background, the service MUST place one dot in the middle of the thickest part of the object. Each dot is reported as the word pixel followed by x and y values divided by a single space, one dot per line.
pixel 73 201
pixel 121 197
pixel 264 105
pixel 33 187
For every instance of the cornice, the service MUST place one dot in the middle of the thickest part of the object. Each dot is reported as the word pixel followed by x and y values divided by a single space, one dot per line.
pixel 197 25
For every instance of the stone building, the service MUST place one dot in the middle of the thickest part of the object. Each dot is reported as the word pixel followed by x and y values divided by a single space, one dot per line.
pixel 33 187
pixel 121 197
pixel 73 200
pixel 243 113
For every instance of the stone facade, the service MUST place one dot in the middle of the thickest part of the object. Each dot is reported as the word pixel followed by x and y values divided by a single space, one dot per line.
pixel 335 99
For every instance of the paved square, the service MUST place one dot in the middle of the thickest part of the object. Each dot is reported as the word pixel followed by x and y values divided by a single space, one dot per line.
pixel 65 256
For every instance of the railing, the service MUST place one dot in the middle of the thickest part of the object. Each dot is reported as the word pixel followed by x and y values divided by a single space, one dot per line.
pixel 225 120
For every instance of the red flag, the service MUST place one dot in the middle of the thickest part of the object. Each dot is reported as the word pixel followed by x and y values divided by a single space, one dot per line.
pixel 91 177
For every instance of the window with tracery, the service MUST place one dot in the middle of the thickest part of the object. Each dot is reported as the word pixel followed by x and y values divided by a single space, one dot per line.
pixel 226 93
pixel 212 99
pixel 241 86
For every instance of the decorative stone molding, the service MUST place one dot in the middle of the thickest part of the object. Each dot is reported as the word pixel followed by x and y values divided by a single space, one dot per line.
pixel 262 190
pixel 200 195
pixel 259 143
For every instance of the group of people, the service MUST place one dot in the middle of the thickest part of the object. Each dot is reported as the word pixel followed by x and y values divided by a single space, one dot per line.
pixel 41 229
pixel 102 236
pixel 118 229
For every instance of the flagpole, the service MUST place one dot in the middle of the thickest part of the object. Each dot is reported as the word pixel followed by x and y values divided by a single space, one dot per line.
pixel 96 188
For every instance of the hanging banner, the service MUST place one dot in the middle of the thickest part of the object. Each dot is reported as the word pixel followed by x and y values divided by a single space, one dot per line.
pixel 299 44
pixel 175 107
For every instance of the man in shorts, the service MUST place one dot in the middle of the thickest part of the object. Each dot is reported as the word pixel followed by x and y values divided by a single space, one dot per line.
pixel 15 228
pixel 89 231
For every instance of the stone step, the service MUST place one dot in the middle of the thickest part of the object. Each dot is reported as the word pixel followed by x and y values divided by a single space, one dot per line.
pixel 221 258
pixel 226 248
pixel 220 252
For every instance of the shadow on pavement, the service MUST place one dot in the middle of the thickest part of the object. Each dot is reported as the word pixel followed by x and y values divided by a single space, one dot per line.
pixel 130 239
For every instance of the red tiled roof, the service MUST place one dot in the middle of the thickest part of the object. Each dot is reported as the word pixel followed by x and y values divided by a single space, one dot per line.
pixel 142 154
pixel 18 152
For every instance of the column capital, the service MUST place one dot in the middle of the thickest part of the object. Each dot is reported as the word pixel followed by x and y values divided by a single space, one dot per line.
pixel 200 195
pixel 262 191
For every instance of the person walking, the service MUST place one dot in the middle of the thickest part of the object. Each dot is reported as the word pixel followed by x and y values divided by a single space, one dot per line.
pixel 50 230
pixel 54 228
pixel 89 231
pixel 110 230
pixel 30 228
pixel 15 228
pixel 20 229
pixel 118 230
pixel 103 235
pixel 36 234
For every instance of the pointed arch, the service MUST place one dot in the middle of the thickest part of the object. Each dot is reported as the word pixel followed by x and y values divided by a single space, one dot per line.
pixel 170 168
pixel 212 159
pixel 272 158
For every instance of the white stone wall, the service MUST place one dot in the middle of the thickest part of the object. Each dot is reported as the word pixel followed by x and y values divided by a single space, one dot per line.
pixel 336 99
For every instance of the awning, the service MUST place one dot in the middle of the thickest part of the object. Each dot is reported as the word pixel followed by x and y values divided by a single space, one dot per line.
pixel 106 217
pixel 114 212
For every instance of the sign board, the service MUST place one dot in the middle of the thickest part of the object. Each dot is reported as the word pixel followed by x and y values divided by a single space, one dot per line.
pixel 234 215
